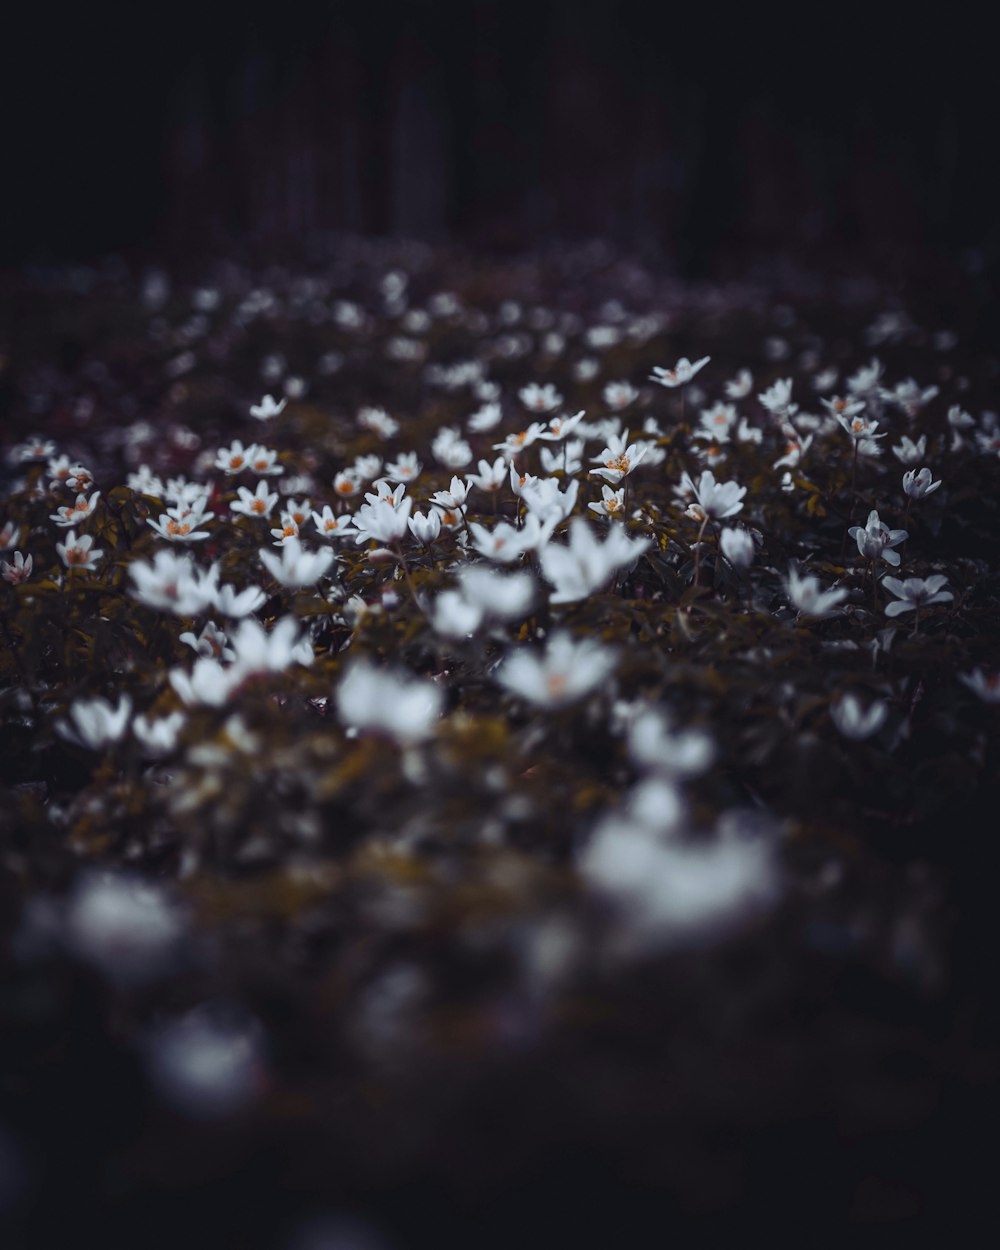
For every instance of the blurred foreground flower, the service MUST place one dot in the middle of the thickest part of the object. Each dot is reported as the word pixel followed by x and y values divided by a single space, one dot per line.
pixel 388 702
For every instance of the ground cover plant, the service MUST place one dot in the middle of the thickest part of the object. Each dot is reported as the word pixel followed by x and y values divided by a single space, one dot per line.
pixel 477 735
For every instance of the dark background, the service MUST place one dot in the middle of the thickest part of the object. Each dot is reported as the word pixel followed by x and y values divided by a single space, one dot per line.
pixel 680 131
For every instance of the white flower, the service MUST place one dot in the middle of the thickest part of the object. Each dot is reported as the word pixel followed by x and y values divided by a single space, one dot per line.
pixel 618 464
pixel 681 373
pixel 909 397
pixel 76 553
pixel 910 452
pixel 95 723
pixel 918 485
pixel 425 528
pixel 566 460
pixel 367 468
pixel 331 526
pixel 566 671
pixel 233 603
pixel 795 448
pixel 612 503
pixel 490 476
pixel 289 530
pixel 740 386
pixel 174 583
pixel 807 597
pixel 373 700
pixel 454 616
pixel 587 563
pixel 559 428
pixel 840 406
pixel 267 408
pixel 485 418
pixel 211 642
pixel 234 458
pixel 507 597
pixel 454 496
pixel 777 399
pixel 670 891
pixel 9 536
pixel 860 428
pixel 514 444
pixel 347 483
pixel 158 737
pixel 619 395
pixel 655 746
pixel 915 592
pixel 67 517
pixel 378 421
pixel 450 449
pixel 853 722
pixel 264 462
pixel 405 468
pixel 865 382
pixel 256 503
pixel 260 652
pixel 503 543
pixel 715 500
pixel 539 398
pixel 383 521
pixel 877 540
pixel 127 928
pixel 737 547
pixel 985 685
pixel 19 570
pixel 180 524
pixel 208 1063
pixel 209 683
pixel 544 499
pixel 295 567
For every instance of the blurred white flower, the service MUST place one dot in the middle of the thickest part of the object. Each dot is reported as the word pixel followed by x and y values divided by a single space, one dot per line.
pixel 126 927
pixel 740 386
pixel 985 685
pixel 853 721
pixel 158 737
pixel 910 452
pixel 208 1063
pixel 681 373
pixel 296 567
pixel 587 564
pixel 807 597
pixel 388 702
pixel 737 546
pixel 94 723
pixel 539 398
pixel 567 670
pixel 267 408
